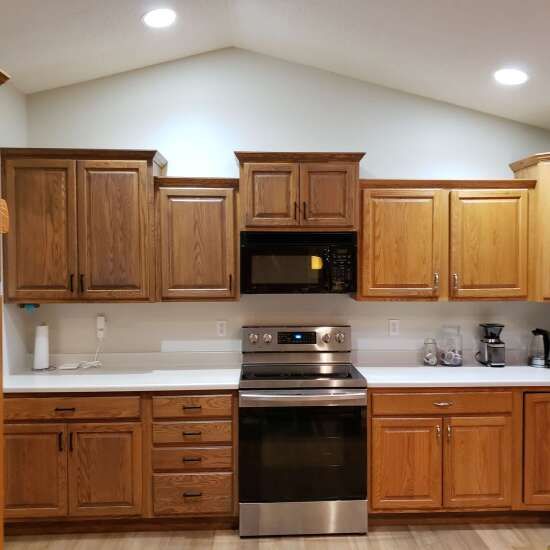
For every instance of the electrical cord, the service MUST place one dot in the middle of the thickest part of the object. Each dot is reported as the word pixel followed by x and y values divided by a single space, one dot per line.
pixel 85 364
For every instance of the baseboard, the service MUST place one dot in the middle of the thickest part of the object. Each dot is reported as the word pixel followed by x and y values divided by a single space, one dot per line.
pixel 456 518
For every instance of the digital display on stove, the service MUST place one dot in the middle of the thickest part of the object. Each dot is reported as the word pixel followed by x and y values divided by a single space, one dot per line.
pixel 297 337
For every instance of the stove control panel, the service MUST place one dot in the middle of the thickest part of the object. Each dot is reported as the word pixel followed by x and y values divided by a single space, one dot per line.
pixel 296 338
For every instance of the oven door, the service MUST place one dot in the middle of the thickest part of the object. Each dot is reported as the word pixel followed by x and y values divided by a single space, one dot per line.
pixel 302 445
pixel 284 269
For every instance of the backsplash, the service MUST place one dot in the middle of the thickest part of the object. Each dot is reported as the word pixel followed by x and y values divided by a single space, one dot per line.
pixel 180 328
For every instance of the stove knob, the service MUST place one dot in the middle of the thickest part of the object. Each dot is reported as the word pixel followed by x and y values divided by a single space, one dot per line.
pixel 340 337
pixel 326 338
pixel 267 338
pixel 253 338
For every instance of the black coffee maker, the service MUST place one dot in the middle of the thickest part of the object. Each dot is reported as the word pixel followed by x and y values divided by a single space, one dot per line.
pixel 492 350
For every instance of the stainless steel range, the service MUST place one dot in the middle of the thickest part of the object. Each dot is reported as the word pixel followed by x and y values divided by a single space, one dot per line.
pixel 302 433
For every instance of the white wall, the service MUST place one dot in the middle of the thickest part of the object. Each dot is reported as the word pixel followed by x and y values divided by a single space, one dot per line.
pixel 197 111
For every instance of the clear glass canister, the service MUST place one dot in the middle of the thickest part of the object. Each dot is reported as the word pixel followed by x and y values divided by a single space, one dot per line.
pixel 450 349
pixel 430 352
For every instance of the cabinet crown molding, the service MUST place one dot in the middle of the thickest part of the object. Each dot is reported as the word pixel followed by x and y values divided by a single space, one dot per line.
pixel 518 183
pixel 529 161
pixel 275 156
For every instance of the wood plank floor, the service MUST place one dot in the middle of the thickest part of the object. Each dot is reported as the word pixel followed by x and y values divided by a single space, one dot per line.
pixel 470 537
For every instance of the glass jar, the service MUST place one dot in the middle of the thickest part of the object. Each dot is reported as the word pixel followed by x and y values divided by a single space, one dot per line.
pixel 430 352
pixel 450 349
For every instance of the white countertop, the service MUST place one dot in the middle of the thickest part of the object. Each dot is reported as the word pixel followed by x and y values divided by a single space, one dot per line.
pixel 455 377
pixel 103 380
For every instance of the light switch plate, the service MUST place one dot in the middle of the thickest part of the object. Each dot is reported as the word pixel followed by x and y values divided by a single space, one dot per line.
pixel 221 328
pixel 393 327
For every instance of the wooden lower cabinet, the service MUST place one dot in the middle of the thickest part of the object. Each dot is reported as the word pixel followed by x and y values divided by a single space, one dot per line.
pixel 406 463
pixel 536 468
pixel 478 462
pixel 105 472
pixel 35 470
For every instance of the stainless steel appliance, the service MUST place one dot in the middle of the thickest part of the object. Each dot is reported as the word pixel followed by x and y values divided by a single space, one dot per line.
pixel 302 433
pixel 492 350
pixel 277 262
pixel 539 348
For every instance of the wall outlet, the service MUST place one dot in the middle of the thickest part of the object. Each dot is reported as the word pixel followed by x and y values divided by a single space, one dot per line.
pixel 101 326
pixel 221 328
pixel 393 327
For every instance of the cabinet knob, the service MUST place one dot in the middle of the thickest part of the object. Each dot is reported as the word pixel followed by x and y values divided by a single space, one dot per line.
pixel 436 280
pixel 449 433
pixel 443 403
pixel 455 281
pixel 438 431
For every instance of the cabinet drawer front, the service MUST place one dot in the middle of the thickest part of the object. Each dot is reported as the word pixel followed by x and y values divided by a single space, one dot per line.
pixel 192 432
pixel 191 406
pixel 192 493
pixel 67 408
pixel 193 458
pixel 384 404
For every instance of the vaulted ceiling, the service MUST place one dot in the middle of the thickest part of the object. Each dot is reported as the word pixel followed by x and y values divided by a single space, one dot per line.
pixel 441 49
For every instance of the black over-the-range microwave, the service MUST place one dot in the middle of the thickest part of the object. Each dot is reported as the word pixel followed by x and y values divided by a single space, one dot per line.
pixel 292 262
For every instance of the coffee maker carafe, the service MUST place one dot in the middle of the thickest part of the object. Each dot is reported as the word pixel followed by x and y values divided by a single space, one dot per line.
pixel 492 350
pixel 539 348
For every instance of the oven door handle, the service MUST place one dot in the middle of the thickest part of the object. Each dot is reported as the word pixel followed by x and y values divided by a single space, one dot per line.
pixel 303 399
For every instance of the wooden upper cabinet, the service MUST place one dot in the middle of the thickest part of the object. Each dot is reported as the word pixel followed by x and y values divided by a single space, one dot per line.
pixel 197 243
pixel 478 462
pixel 402 236
pixel 41 246
pixel 406 463
pixel 299 190
pixel 112 227
pixel 328 193
pixel 35 470
pixel 272 194
pixel 489 238
pixel 105 469
pixel 536 465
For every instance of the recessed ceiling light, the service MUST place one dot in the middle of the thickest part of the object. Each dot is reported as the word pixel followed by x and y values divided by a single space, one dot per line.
pixel 157 19
pixel 511 77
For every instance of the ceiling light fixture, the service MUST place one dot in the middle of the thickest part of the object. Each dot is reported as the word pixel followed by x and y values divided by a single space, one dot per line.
pixel 160 18
pixel 511 77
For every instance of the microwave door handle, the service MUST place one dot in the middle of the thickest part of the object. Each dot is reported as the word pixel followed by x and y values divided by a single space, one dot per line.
pixel 260 399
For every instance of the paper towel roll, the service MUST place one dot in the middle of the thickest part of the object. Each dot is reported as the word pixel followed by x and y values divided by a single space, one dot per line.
pixel 41 348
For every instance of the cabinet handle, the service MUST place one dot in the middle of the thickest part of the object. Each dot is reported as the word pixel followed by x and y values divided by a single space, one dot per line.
pixel 455 281
pixel 305 210
pixel 191 459
pixel 448 433
pixel 64 409
pixel 443 403
pixel 230 282
pixel 71 282
pixel 60 441
pixel 295 210
pixel 81 280
pixel 71 442
pixel 191 407
pixel 190 433
pixel 436 280
pixel 192 494
pixel 438 431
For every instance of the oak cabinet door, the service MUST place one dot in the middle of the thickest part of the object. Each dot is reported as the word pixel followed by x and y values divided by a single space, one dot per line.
pixel 328 194
pixel 489 232
pixel 35 470
pixel 105 470
pixel 477 462
pixel 271 191
pixel 41 246
pixel 401 243
pixel 113 230
pixel 406 457
pixel 536 467
pixel 197 243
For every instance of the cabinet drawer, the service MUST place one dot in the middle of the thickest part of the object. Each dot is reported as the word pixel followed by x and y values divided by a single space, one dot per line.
pixel 386 404
pixel 192 493
pixel 214 431
pixel 193 458
pixel 67 408
pixel 192 406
